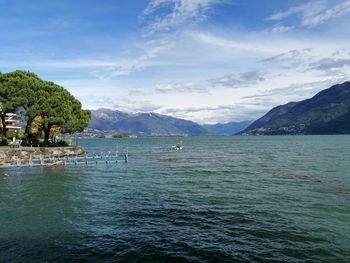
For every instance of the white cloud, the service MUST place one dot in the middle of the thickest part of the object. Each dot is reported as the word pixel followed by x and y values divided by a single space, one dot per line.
pixel 314 13
pixel 166 17
pixel 339 10
pixel 239 80
pixel 65 63
pixel 306 11
pixel 149 51
pixel 253 43
pixel 184 87
pixel 331 63
pixel 119 103
pixel 298 90
pixel 288 60
pixel 134 92
pixel 136 106
pixel 182 12
pixel 274 69
pixel 161 70
pixel 267 79
pixel 279 29
pixel 220 113
pixel 231 43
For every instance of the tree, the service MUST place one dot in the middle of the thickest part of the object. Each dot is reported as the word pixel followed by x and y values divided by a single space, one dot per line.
pixel 17 89
pixel 55 106
pixel 80 118
pixel 58 108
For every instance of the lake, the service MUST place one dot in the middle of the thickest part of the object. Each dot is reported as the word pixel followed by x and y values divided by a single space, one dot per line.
pixel 220 199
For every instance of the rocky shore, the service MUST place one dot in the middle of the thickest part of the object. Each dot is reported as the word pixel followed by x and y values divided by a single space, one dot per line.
pixel 12 155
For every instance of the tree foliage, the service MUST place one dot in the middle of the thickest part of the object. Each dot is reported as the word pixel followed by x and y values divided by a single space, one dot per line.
pixel 16 89
pixel 54 105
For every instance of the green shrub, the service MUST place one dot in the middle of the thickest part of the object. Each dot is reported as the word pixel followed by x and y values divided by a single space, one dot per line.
pixel 56 144
pixel 18 135
pixel 61 144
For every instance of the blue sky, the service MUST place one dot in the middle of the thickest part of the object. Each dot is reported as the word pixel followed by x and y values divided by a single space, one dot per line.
pixel 203 60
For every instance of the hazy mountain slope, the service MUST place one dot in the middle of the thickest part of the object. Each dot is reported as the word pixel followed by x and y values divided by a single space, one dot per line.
pixel 106 119
pixel 328 112
pixel 229 128
pixel 143 124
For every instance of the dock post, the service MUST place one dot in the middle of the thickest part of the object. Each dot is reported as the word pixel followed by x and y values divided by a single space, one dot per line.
pixel 18 161
pixel 126 154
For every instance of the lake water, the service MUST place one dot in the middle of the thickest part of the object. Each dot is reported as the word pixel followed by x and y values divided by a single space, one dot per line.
pixel 220 199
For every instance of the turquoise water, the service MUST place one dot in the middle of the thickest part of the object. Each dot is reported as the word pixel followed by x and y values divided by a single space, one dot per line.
pixel 220 199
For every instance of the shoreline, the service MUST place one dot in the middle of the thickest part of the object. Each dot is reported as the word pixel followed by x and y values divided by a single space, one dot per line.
pixel 11 156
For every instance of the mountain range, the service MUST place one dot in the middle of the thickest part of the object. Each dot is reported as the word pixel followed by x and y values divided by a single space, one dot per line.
pixel 226 129
pixel 148 124
pixel 153 124
pixel 328 112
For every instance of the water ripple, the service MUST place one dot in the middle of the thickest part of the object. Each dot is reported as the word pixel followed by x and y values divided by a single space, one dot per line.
pixel 264 199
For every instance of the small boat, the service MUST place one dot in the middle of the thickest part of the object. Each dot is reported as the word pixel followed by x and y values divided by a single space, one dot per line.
pixel 176 147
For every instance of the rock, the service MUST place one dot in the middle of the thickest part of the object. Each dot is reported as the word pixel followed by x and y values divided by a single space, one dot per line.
pixel 24 153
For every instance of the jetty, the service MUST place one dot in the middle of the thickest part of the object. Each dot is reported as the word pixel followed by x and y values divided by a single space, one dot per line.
pixel 63 157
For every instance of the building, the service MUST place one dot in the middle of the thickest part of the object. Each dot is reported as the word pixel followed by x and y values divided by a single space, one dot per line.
pixel 12 122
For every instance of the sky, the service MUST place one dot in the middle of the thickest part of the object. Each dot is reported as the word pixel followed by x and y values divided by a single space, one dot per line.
pixel 203 60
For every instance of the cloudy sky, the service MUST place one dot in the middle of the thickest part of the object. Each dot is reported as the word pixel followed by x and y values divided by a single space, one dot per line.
pixel 203 60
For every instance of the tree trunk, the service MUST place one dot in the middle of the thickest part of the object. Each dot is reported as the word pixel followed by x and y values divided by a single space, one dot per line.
pixel 4 131
pixel 47 134
pixel 27 130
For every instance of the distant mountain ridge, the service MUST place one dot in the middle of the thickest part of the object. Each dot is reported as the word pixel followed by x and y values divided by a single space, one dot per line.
pixel 328 112
pixel 153 124
pixel 226 129
pixel 107 120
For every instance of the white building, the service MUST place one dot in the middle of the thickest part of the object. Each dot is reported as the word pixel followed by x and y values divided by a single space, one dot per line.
pixel 12 123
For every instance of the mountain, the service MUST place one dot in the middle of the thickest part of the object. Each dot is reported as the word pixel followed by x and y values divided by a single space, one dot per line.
pixel 110 121
pixel 328 112
pixel 226 129
pixel 105 119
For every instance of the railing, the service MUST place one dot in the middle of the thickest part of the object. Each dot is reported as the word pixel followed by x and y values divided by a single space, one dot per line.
pixel 86 159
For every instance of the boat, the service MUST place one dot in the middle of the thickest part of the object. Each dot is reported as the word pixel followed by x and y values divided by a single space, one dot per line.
pixel 177 147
